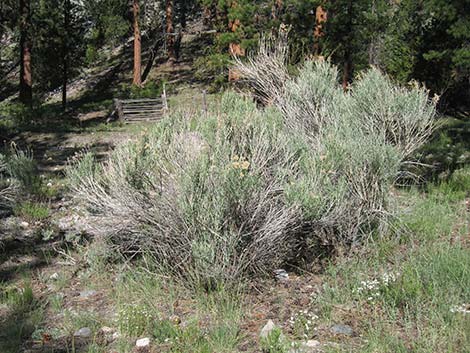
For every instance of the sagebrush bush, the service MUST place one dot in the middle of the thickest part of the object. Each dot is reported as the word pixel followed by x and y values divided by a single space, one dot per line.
pixel 203 194
pixel 244 189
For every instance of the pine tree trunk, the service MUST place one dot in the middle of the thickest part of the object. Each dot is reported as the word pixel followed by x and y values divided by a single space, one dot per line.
pixel 26 81
pixel 210 14
pixel 207 16
pixel 65 55
pixel 183 14
pixel 276 9
pixel 170 35
pixel 235 49
pixel 321 17
pixel 348 63
pixel 137 81
pixel 347 71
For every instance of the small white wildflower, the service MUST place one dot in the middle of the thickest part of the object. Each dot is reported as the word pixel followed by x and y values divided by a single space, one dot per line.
pixel 464 309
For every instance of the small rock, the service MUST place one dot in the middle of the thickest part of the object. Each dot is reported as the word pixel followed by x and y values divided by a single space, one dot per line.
pixel 266 330
pixel 107 330
pixel 281 275
pixel 24 225
pixel 87 294
pixel 84 332
pixel 54 276
pixel 143 342
pixel 340 329
pixel 116 335
pixel 175 319
pixel 311 344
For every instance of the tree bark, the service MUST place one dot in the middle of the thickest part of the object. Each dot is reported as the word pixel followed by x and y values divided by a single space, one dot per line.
pixel 235 49
pixel 137 81
pixel 170 35
pixel 153 54
pixel 65 54
pixel 276 9
pixel 348 63
pixel 347 71
pixel 26 81
pixel 321 17
pixel 183 14
pixel 206 16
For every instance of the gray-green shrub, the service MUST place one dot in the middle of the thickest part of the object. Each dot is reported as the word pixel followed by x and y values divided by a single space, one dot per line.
pixel 203 194
pixel 243 189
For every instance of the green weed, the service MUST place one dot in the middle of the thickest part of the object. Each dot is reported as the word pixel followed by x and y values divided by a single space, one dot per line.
pixel 275 342
pixel 24 315
pixel 135 320
pixel 19 299
pixel 31 211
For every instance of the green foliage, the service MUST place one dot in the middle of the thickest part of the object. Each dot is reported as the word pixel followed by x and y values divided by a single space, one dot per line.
pixel 147 306
pixel 165 331
pixel 17 117
pixel 448 150
pixel 426 41
pixel 17 113
pixel 109 22
pixel 25 312
pixel 422 279
pixel 59 32
pixel 21 166
pixel 81 165
pixel 213 67
pixel 134 320
pixel 460 180
pixel 151 89
pixel 454 188
pixel 75 320
pixel 31 211
pixel 8 187
pixel 19 299
pixel 275 342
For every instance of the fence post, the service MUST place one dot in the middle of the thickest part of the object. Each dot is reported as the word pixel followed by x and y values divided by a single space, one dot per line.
pixel 164 101
pixel 204 103
pixel 118 109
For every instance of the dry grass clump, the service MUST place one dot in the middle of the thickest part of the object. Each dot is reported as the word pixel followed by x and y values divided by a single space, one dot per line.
pixel 244 190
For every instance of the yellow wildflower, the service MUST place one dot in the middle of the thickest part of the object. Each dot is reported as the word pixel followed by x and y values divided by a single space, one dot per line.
pixel 245 165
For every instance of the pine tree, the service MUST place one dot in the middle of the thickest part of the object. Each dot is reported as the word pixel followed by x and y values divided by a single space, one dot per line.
pixel 346 37
pixel 170 30
pixel 59 42
pixel 65 53
pixel 321 17
pixel 26 80
pixel 137 44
